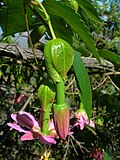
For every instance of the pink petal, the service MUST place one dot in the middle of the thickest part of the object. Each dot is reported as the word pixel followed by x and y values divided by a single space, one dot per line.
pixel 44 139
pixel 82 125
pixel 47 139
pixel 82 122
pixel 27 120
pixel 16 127
pixel 51 125
pixel 76 124
pixel 70 133
pixel 27 136
pixel 14 117
pixel 92 124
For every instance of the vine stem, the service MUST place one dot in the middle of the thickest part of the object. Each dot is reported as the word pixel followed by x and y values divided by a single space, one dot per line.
pixel 48 19
pixel 45 119
pixel 60 94
pixel 28 31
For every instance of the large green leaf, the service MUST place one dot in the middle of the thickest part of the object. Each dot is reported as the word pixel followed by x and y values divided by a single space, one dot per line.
pixel 84 83
pixel 89 10
pixel 111 56
pixel 60 9
pixel 12 17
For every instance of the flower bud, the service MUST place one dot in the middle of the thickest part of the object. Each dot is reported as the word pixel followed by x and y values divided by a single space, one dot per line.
pixel 21 98
pixel 46 94
pixel 61 117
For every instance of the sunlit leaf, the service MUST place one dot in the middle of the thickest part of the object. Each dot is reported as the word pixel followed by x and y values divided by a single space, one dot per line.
pixel 83 82
pixel 89 10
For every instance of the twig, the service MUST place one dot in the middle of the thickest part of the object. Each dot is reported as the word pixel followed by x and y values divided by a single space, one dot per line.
pixel 79 144
pixel 106 76
pixel 70 83
pixel 21 52
pixel 67 148
pixel 26 103
pixel 100 84
pixel 74 147
pixel 114 84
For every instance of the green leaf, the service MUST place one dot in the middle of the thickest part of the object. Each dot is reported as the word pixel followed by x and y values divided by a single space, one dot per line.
pixel 89 10
pixel 60 9
pixel 13 18
pixel 111 56
pixel 107 157
pixel 83 50
pixel 83 82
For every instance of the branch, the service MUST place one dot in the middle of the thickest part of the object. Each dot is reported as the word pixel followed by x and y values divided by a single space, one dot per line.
pixel 13 51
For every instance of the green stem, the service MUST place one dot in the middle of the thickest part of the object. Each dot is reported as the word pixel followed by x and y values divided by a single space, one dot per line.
pixel 48 19
pixel 60 93
pixel 81 105
pixel 45 119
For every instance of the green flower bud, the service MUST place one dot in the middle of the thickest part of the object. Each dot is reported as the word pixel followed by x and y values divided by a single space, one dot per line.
pixel 58 58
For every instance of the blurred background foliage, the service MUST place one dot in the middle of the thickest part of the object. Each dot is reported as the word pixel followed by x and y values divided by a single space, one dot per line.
pixel 20 77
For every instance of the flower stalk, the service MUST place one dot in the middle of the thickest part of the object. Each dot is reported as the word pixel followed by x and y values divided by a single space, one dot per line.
pixel 60 92
pixel 47 17
pixel 45 119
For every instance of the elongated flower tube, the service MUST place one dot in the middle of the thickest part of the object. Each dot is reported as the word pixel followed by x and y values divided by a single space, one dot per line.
pixel 32 128
pixel 61 117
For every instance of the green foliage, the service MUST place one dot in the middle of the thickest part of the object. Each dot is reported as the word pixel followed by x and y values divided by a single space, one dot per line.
pixel 111 56
pixel 13 17
pixel 92 29
pixel 106 156
pixel 83 82
pixel 89 10
pixel 74 20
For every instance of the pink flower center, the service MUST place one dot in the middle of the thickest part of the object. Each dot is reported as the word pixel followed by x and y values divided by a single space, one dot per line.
pixel 36 129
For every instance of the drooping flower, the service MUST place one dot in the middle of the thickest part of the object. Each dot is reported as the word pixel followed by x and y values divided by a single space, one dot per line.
pixel 32 126
pixel 96 153
pixel 81 119
pixel 21 98
pixel 61 116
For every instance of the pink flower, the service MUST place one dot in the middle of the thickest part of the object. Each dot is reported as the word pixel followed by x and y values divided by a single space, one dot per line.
pixel 21 98
pixel 96 153
pixel 81 119
pixel 61 117
pixel 32 126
